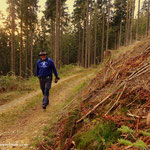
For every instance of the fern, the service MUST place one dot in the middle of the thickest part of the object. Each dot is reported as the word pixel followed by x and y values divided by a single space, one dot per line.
pixel 145 133
pixel 139 144
pixel 124 142
pixel 126 129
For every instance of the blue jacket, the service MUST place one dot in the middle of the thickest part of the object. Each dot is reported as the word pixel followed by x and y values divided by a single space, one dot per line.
pixel 45 68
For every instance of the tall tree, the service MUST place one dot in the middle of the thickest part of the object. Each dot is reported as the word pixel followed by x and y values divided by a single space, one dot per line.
pixel 127 24
pixel 87 32
pixel 103 28
pixel 108 18
pixel 148 18
pixel 137 25
pixel 132 20
pixel 12 14
pixel 95 29
pixel 57 40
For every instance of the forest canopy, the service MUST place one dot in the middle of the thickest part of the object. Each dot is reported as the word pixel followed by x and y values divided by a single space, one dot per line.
pixel 79 38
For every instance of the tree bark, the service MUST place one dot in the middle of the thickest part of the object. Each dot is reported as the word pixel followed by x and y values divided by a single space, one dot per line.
pixel 13 37
pixel 79 46
pixel 103 28
pixel 21 46
pixel 87 32
pixel 129 21
pixel 95 38
pixel 120 35
pixel 31 51
pixel 137 25
pixel 53 40
pixel 127 18
pixel 56 57
pixel 26 53
pixel 148 18
pixel 89 37
pixel 132 21
pixel 107 36
pixel 83 45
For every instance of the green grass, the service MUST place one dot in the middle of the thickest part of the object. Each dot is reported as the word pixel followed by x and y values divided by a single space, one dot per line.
pixel 68 70
pixel 99 137
pixel 10 117
pixel 76 90
pixel 14 87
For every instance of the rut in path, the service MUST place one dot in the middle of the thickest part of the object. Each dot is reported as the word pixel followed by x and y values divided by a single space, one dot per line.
pixel 21 100
pixel 31 125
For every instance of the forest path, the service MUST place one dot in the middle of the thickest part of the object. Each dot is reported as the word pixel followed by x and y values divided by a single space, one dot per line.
pixel 26 97
pixel 21 134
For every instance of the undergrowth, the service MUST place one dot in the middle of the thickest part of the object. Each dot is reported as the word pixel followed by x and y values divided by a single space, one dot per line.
pixel 131 140
pixel 99 137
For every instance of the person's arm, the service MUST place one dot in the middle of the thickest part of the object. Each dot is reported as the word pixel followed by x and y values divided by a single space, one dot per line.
pixel 37 70
pixel 54 69
pixel 55 72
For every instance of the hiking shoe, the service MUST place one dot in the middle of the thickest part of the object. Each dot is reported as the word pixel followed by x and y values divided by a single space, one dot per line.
pixel 44 107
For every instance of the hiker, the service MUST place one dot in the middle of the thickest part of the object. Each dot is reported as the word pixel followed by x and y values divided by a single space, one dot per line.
pixel 44 69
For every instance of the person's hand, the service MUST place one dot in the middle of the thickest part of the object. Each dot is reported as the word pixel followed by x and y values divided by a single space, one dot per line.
pixel 56 79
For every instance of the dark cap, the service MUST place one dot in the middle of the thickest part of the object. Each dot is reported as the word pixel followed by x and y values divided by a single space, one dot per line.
pixel 42 52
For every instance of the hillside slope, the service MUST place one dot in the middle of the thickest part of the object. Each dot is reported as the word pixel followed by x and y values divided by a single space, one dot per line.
pixel 112 113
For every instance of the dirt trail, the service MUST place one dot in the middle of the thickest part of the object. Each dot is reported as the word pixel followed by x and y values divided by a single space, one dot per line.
pixel 31 125
pixel 26 97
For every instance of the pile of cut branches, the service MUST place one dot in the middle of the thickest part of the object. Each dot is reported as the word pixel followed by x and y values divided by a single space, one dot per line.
pixel 124 97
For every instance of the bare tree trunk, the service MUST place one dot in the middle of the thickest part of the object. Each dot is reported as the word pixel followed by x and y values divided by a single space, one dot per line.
pixel 31 57
pixel 56 57
pixel 148 18
pixel 68 56
pixel 132 21
pixel 89 39
pixel 127 18
pixel 120 35
pixel 95 38
pixel 116 40
pixel 107 36
pixel 129 21
pixel 13 37
pixel 102 48
pixel 83 45
pixel 53 39
pixel 87 30
pixel 137 25
pixel 26 53
pixel 79 46
pixel 60 34
pixel 21 47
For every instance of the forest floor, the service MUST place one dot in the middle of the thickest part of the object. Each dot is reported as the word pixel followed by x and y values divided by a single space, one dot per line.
pixel 21 125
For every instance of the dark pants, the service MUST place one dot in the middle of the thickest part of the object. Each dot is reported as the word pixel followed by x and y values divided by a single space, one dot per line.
pixel 45 85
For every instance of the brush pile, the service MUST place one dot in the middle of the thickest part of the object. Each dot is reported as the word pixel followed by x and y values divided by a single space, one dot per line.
pixel 124 95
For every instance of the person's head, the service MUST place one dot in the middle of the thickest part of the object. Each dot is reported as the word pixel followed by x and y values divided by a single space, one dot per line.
pixel 43 54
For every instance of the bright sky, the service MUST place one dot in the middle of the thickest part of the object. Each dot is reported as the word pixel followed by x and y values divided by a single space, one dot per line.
pixel 69 3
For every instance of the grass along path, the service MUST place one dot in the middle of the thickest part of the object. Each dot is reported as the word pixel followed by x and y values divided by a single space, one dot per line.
pixel 28 96
pixel 31 122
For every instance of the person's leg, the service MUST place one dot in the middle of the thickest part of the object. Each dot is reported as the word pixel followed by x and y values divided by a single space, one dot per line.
pixel 42 85
pixel 46 92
